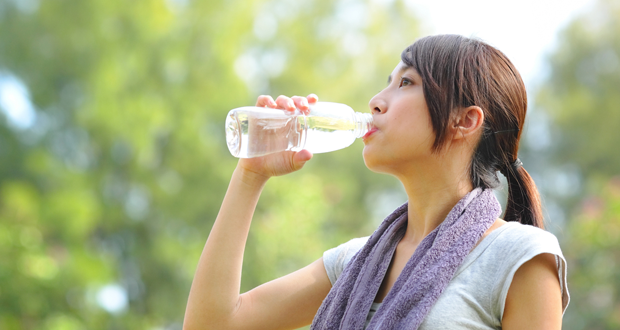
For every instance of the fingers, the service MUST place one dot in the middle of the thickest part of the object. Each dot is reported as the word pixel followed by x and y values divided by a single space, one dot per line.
pixel 288 103
pixel 312 98
pixel 285 103
pixel 265 101
pixel 301 103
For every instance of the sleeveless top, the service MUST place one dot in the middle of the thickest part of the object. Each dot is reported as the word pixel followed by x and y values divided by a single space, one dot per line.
pixel 475 297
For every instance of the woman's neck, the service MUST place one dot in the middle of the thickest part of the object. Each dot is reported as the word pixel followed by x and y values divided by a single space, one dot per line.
pixel 432 193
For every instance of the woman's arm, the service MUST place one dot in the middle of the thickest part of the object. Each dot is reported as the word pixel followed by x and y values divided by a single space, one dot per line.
pixel 534 300
pixel 214 301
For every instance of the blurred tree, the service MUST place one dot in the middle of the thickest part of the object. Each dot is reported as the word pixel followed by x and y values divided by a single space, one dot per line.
pixel 581 98
pixel 114 162
pixel 581 92
pixel 593 257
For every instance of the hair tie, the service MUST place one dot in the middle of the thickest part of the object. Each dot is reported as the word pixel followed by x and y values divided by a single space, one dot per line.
pixel 510 169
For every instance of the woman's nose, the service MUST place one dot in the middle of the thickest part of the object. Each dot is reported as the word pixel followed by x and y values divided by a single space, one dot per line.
pixel 377 104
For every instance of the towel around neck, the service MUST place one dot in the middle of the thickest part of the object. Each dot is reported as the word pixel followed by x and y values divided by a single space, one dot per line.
pixel 422 280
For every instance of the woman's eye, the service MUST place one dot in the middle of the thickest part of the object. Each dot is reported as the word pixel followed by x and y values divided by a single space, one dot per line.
pixel 404 82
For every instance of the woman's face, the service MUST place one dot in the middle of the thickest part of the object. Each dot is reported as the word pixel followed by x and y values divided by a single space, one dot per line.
pixel 404 134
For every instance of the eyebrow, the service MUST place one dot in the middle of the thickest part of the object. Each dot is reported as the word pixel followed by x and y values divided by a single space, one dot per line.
pixel 389 80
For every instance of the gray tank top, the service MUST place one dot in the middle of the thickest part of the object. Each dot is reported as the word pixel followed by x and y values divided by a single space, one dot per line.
pixel 475 297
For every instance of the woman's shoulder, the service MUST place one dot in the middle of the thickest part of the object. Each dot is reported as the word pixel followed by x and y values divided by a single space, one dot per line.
pixel 337 258
pixel 508 247
pixel 512 245
pixel 514 237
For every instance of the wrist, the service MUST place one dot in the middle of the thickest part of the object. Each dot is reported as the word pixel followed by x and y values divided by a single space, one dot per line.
pixel 249 177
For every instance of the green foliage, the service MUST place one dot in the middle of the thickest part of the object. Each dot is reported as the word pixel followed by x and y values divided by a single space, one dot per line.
pixel 119 179
pixel 581 93
pixel 581 96
pixel 593 256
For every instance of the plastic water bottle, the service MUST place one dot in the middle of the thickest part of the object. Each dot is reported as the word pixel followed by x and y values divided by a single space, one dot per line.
pixel 255 131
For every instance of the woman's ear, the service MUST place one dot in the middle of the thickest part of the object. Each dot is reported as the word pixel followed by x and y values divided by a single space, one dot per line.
pixel 467 122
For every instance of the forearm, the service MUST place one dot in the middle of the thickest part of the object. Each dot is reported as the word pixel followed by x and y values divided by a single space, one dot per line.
pixel 215 289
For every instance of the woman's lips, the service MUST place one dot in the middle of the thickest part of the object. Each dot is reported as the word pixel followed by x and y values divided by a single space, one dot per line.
pixel 372 130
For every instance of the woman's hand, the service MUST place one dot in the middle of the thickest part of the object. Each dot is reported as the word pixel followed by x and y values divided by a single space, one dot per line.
pixel 287 303
pixel 214 302
pixel 283 162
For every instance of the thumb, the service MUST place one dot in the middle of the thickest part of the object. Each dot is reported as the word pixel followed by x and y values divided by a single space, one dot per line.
pixel 300 158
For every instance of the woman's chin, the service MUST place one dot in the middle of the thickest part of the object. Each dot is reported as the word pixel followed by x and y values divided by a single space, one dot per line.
pixel 379 161
pixel 371 160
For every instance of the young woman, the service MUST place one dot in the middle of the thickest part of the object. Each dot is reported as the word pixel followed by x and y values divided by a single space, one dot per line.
pixel 448 121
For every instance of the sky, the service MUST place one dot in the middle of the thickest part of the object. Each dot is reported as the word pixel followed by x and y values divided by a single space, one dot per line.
pixel 15 102
pixel 524 30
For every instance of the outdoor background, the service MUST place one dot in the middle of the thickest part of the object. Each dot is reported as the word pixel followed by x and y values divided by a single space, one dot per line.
pixel 113 161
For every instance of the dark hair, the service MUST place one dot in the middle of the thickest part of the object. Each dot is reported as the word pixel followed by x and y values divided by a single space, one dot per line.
pixel 458 72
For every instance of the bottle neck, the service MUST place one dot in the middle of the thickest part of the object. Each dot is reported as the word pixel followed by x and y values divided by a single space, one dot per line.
pixel 363 123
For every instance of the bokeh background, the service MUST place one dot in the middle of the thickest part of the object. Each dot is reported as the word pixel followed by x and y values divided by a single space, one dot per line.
pixel 113 162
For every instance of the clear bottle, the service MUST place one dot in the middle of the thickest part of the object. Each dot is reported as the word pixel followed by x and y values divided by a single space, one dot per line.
pixel 255 131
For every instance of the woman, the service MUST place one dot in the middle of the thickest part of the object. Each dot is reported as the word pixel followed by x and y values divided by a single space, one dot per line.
pixel 448 121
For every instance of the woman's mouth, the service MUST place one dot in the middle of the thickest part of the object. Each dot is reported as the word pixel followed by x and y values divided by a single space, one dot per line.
pixel 372 130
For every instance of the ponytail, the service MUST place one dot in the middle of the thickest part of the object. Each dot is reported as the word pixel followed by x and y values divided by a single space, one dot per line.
pixel 523 203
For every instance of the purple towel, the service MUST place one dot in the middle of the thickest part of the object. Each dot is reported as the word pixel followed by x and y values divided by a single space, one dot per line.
pixel 424 277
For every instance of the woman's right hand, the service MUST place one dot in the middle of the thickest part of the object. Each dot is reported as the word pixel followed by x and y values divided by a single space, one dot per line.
pixel 289 302
pixel 283 162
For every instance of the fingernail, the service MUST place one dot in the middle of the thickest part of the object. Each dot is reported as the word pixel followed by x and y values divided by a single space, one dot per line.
pixel 291 104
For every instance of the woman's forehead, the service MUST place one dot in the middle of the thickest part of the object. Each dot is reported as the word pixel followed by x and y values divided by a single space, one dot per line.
pixel 400 67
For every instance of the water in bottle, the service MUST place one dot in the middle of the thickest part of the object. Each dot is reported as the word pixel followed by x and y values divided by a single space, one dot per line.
pixel 255 131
